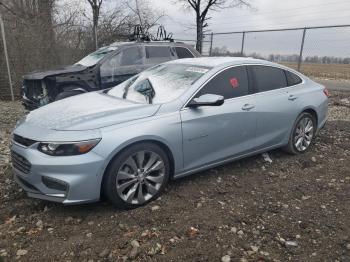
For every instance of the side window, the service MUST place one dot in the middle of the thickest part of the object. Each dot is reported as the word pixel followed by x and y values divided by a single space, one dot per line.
pixel 269 78
pixel 158 54
pixel 183 52
pixel 109 67
pixel 109 70
pixel 292 79
pixel 112 62
pixel 131 56
pixel 230 83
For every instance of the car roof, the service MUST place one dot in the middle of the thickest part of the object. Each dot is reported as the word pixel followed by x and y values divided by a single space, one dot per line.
pixel 220 61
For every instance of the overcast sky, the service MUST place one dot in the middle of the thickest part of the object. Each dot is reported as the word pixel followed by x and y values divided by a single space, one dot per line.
pixel 270 14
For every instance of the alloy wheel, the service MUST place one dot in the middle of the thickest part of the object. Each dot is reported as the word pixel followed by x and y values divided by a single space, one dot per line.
pixel 140 177
pixel 303 134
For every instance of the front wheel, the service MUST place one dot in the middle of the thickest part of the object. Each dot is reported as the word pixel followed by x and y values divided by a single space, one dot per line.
pixel 302 134
pixel 137 175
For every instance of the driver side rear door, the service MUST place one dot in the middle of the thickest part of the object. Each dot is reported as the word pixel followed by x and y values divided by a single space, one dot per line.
pixel 212 134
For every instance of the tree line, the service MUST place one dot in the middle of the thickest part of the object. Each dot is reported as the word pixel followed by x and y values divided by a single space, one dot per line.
pixel 292 58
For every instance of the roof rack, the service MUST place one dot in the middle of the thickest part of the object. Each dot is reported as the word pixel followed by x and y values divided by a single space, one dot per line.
pixel 141 36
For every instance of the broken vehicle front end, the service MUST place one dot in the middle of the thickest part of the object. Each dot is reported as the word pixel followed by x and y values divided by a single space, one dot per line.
pixel 42 88
pixel 35 93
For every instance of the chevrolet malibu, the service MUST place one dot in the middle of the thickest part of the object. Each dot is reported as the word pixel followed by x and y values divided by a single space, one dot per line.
pixel 170 121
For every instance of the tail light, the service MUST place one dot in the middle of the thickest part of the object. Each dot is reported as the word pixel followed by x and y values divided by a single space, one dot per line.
pixel 326 92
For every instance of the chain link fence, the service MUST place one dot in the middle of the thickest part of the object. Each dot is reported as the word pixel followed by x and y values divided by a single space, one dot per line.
pixel 316 51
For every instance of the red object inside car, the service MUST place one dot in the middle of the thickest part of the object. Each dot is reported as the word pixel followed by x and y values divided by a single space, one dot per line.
pixel 234 82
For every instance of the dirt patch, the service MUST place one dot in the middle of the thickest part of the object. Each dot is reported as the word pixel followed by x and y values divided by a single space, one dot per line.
pixel 296 208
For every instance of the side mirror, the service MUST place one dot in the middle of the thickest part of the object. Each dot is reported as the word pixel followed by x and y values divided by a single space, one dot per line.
pixel 207 100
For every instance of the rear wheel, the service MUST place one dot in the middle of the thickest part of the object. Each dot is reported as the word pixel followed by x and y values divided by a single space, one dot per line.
pixel 137 175
pixel 302 135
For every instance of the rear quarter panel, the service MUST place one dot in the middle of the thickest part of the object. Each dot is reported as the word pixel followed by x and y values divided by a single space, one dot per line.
pixel 310 96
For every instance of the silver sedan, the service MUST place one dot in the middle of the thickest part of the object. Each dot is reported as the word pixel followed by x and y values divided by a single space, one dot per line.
pixel 169 121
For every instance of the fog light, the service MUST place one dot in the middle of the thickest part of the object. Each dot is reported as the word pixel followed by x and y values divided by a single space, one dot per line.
pixel 55 184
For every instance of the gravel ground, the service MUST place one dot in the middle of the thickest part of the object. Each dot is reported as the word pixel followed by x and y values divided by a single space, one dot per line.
pixel 296 208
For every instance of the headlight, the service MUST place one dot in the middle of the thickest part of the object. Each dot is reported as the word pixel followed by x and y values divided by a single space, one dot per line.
pixel 67 149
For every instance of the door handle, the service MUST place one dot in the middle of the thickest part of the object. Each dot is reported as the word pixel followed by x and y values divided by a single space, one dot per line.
pixel 292 97
pixel 247 107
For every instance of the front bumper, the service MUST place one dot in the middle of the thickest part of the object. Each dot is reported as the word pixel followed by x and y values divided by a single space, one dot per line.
pixel 67 180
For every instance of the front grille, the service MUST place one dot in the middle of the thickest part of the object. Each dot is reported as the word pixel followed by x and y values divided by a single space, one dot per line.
pixel 23 141
pixel 20 163
pixel 33 88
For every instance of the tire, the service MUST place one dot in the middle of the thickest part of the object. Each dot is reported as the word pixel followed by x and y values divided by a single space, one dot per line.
pixel 66 94
pixel 300 133
pixel 130 173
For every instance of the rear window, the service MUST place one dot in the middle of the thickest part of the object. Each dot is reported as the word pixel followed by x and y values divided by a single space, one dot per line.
pixel 183 52
pixel 292 79
pixel 158 51
pixel 269 78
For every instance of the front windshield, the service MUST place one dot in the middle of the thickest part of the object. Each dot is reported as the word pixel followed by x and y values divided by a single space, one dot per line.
pixel 96 56
pixel 160 84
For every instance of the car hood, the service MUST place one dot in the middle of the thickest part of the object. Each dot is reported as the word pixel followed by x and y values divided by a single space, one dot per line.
pixel 38 75
pixel 88 111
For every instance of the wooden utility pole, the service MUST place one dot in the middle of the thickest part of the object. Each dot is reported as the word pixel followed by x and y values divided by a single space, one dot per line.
pixel 2 30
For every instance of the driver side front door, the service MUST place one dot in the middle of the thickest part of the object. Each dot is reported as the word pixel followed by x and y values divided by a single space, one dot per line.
pixel 212 134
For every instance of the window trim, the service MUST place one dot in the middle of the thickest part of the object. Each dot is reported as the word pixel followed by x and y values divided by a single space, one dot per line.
pixel 184 106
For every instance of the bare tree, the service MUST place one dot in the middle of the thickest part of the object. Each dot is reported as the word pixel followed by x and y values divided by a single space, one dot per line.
pixel 203 7
pixel 30 36
pixel 115 25
pixel 96 7
pixel 145 16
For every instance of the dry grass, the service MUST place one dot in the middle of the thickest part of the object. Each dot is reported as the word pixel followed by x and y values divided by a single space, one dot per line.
pixel 331 71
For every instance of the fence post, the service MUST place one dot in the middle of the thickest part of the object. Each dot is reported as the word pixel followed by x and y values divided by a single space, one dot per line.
pixel 2 29
pixel 301 49
pixel 243 38
pixel 211 43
